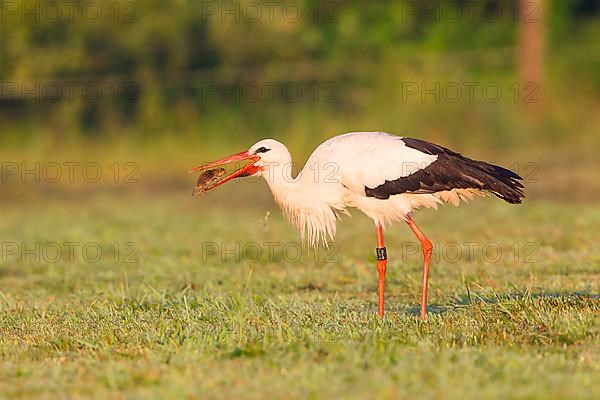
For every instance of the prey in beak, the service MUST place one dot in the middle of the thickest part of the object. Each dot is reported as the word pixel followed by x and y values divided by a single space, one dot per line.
pixel 207 179
pixel 214 175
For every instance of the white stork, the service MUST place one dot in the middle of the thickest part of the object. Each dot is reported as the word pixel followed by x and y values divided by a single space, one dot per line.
pixel 385 176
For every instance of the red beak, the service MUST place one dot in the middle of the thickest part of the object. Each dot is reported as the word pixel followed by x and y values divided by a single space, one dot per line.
pixel 247 170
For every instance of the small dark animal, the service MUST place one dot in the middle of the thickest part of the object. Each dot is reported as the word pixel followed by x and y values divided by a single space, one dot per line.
pixel 207 179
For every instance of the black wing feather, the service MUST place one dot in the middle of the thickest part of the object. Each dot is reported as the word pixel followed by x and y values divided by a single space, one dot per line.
pixel 450 171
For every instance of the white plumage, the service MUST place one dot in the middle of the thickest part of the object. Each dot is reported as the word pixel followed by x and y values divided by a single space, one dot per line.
pixel 335 176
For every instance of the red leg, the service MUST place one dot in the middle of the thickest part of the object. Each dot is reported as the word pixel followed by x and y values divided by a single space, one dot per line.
pixel 427 249
pixel 381 266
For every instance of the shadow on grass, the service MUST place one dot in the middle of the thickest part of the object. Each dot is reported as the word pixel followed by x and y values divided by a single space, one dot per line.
pixel 462 303
pixel 465 301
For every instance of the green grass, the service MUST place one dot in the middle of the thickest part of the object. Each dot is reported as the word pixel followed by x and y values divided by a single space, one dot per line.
pixel 178 323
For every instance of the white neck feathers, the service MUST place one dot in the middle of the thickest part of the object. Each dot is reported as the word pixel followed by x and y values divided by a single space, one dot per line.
pixel 299 199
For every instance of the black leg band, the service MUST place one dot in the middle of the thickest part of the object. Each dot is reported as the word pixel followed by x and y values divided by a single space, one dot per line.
pixel 381 253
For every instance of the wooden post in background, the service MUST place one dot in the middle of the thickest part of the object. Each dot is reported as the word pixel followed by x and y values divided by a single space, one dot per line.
pixel 532 47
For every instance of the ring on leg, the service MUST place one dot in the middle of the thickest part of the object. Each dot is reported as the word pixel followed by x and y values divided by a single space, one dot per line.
pixel 381 267
pixel 381 253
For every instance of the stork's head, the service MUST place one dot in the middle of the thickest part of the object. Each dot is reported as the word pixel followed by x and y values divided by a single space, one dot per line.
pixel 259 157
pixel 270 153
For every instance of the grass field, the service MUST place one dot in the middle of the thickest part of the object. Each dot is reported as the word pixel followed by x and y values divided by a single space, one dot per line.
pixel 172 308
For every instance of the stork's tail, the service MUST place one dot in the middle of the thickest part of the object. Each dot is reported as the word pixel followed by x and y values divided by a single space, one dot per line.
pixel 500 181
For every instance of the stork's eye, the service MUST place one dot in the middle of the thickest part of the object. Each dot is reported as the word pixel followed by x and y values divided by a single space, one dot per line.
pixel 262 150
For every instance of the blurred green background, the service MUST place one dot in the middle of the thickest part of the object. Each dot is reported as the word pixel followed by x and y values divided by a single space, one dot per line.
pixel 105 105
pixel 170 84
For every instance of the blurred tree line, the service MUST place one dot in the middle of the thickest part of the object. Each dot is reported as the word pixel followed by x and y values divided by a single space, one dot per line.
pixel 97 67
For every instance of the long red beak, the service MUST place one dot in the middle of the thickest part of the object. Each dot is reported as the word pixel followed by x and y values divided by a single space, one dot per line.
pixel 247 170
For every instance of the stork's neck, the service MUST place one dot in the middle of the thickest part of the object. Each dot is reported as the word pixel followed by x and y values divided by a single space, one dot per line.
pixel 279 174
pixel 301 202
pixel 286 189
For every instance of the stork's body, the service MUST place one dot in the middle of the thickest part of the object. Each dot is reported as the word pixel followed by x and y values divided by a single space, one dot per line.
pixel 385 176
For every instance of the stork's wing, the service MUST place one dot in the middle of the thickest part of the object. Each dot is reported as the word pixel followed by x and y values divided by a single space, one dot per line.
pixel 380 165
pixel 452 171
